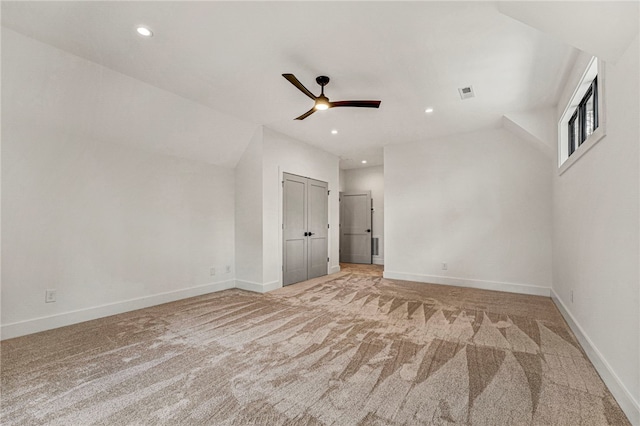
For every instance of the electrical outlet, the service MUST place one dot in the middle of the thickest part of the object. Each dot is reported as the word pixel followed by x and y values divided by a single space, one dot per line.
pixel 228 269
pixel 444 266
pixel 49 296
pixel 212 271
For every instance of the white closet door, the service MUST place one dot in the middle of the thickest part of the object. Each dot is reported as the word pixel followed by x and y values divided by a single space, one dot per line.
pixel 295 229
pixel 318 213
pixel 305 233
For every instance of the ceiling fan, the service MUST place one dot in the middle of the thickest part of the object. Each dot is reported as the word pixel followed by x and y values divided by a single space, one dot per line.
pixel 322 102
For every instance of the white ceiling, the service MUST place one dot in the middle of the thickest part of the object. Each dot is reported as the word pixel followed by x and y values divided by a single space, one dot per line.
pixel 601 28
pixel 229 56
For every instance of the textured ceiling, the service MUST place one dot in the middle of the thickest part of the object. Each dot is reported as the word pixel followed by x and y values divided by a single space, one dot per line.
pixel 229 56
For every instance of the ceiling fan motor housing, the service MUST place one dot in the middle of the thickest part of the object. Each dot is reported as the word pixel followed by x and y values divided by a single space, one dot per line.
pixel 322 80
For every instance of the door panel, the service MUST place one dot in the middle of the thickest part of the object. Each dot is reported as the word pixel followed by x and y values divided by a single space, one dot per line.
pixel 295 208
pixel 317 258
pixel 294 229
pixel 317 225
pixel 305 211
pixel 355 227
pixel 295 262
pixel 354 248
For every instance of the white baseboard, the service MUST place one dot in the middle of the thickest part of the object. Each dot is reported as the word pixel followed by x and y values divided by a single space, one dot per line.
pixel 21 328
pixel 249 286
pixel 257 287
pixel 378 260
pixel 630 406
pixel 273 285
pixel 334 269
pixel 465 282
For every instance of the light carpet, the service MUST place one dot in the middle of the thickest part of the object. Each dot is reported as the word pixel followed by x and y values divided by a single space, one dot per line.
pixel 349 349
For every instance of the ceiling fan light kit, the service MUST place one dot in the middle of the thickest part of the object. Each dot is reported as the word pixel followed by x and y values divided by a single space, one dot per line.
pixel 322 102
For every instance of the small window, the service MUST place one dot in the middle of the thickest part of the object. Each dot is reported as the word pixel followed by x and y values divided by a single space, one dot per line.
pixel 582 123
pixel 584 120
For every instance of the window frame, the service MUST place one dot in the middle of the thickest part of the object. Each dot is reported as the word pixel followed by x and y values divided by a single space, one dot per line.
pixel 572 133
pixel 582 107
pixel 589 85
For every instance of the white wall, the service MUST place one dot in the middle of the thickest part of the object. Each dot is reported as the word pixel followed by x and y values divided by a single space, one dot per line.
pixel 370 179
pixel 103 224
pixel 596 236
pixel 93 205
pixel 536 126
pixel 248 220
pixel 481 202
pixel 283 154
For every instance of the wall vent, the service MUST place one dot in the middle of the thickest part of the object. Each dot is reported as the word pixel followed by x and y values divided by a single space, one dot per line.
pixel 466 92
pixel 375 241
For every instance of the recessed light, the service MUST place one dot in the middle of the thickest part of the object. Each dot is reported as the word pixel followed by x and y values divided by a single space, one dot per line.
pixel 364 161
pixel 334 132
pixel 144 31
pixel 428 110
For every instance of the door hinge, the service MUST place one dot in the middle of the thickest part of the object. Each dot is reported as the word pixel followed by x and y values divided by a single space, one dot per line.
pixel 283 184
pixel 328 226
pixel 329 192
pixel 327 260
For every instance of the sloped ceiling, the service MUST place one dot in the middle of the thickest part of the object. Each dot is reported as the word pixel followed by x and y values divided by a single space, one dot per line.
pixel 600 28
pixel 229 56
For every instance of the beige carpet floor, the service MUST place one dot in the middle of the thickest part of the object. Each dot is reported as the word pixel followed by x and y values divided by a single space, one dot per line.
pixel 350 349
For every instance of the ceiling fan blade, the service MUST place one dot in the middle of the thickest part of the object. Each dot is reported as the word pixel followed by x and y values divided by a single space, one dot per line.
pixel 306 114
pixel 361 104
pixel 293 80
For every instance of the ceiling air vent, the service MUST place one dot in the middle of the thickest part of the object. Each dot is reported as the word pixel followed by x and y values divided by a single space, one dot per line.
pixel 466 92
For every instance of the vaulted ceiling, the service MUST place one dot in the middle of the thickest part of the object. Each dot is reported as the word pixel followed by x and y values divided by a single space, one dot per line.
pixel 229 56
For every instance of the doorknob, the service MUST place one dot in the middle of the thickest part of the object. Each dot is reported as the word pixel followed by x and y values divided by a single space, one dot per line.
pixel 368 230
pixel 311 233
pixel 306 234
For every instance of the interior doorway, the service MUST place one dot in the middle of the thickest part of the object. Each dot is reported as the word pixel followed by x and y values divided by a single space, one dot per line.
pixel 305 228
pixel 355 227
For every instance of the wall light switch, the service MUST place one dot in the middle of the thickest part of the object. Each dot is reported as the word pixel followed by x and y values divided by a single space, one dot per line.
pixel 49 296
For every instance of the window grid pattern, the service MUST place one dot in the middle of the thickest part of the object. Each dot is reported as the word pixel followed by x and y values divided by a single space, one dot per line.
pixel 584 120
